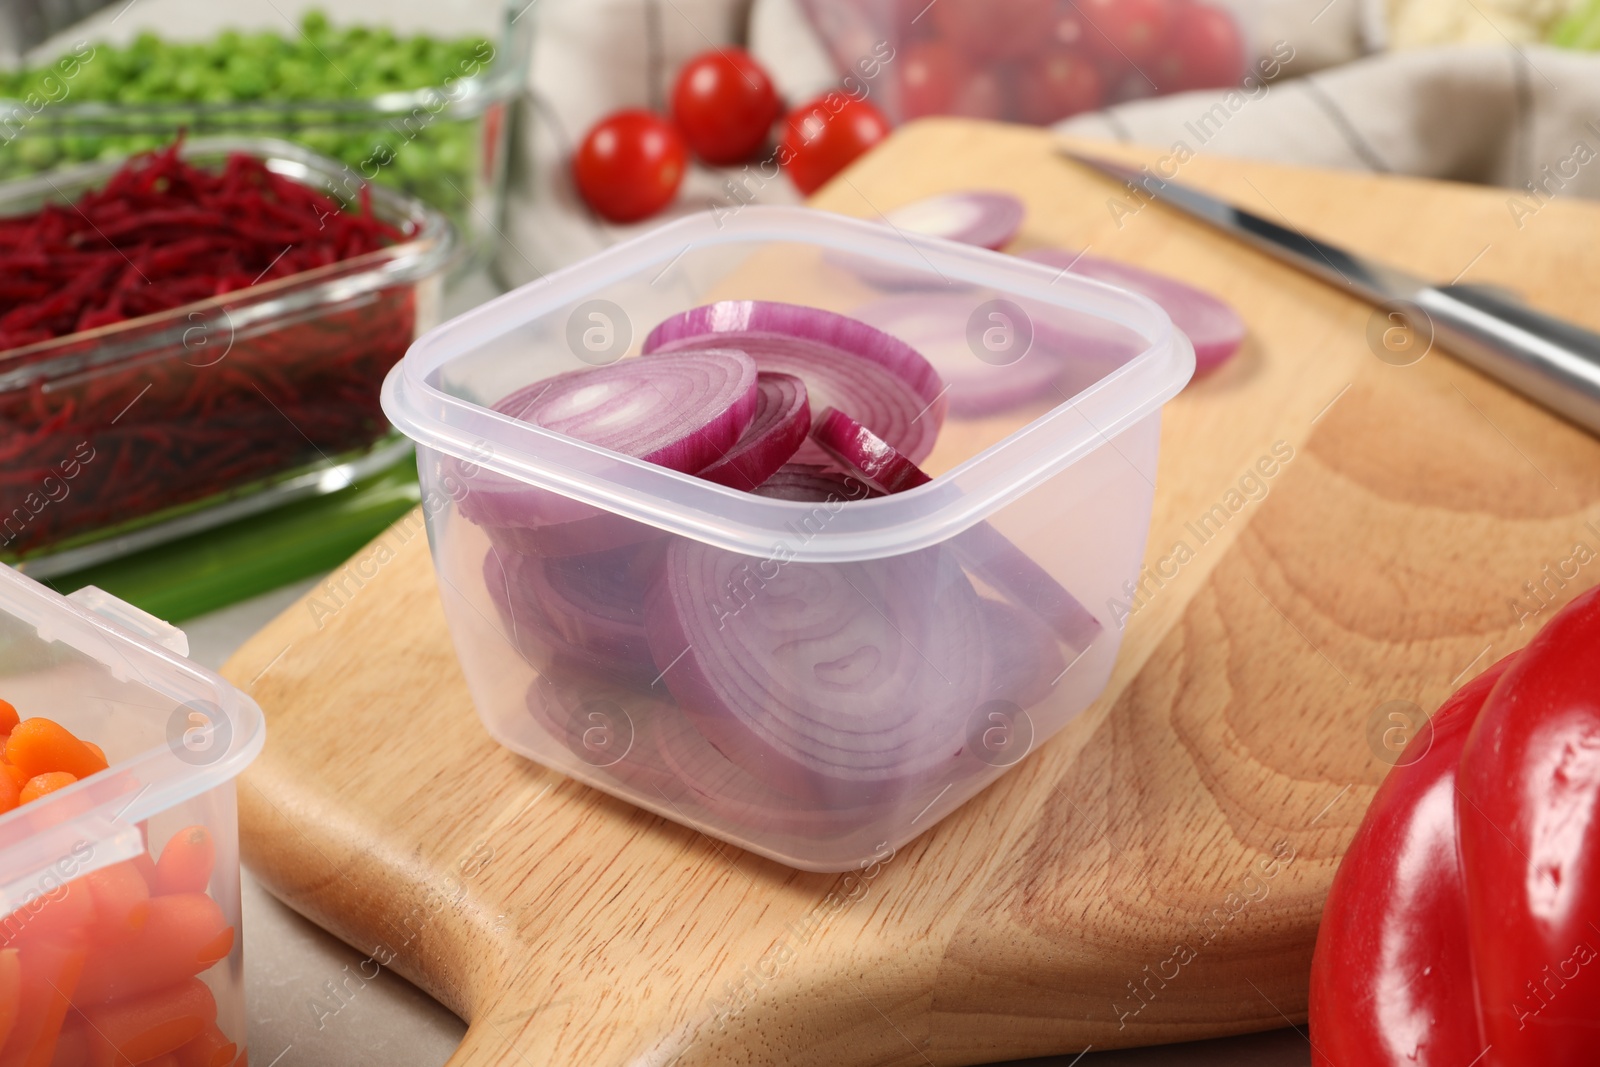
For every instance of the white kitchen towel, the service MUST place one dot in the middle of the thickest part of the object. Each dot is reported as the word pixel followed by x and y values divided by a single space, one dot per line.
pixel 592 57
pixel 1508 116
pixel 1527 118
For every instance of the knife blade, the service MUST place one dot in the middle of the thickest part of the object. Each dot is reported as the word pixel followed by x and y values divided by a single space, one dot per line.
pixel 1551 361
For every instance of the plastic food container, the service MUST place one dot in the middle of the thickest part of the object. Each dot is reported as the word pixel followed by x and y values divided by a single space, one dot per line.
pixel 82 939
pixel 445 145
pixel 1031 61
pixel 149 429
pixel 572 660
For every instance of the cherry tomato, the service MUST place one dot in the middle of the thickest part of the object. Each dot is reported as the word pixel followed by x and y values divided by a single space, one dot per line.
pixel 994 29
pixel 826 136
pixel 725 105
pixel 981 96
pixel 1203 51
pixel 1130 30
pixel 1056 84
pixel 931 73
pixel 630 165
pixel 1068 29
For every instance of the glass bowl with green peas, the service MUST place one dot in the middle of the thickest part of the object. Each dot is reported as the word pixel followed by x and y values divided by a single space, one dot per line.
pixel 406 93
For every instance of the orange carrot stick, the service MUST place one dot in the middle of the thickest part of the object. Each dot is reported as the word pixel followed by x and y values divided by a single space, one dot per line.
pixel 211 1049
pixel 98 752
pixel 146 865
pixel 186 863
pixel 183 935
pixel 8 717
pixel 10 991
pixel 61 913
pixel 16 774
pixel 10 793
pixel 169 1060
pixel 135 1029
pixel 72 1047
pixel 44 784
pixel 50 973
pixel 121 902
pixel 40 746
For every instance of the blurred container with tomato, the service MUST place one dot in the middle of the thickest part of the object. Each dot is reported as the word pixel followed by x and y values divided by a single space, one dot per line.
pixel 1034 61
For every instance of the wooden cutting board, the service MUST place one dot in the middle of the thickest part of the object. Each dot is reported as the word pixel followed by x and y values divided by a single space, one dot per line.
pixel 1155 872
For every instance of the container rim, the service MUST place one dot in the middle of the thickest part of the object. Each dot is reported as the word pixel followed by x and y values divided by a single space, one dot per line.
pixel 479 93
pixel 740 522
pixel 432 247
pixel 101 813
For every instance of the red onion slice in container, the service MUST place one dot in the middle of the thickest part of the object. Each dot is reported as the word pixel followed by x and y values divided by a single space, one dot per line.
pixel 984 218
pixel 729 793
pixel 578 614
pixel 779 427
pixel 1213 327
pixel 983 549
pixel 845 684
pixel 598 531
pixel 936 326
pixel 612 731
pixel 864 452
pixel 684 413
pixel 1024 658
pixel 844 363
pixel 811 484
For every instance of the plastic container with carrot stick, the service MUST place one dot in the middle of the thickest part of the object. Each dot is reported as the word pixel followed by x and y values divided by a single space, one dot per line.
pixel 119 858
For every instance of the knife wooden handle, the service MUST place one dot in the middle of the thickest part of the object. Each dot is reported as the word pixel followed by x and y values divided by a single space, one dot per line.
pixel 1552 362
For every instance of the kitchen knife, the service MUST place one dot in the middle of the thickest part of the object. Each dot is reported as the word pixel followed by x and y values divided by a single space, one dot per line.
pixel 1550 361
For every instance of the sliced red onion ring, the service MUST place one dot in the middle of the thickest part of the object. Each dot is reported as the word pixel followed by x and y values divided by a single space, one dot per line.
pixel 684 413
pixel 612 731
pixel 599 531
pixel 840 683
pixel 1213 327
pixel 728 793
pixel 579 614
pixel 1024 658
pixel 983 549
pixel 811 484
pixel 985 219
pixel 844 363
pixel 936 326
pixel 869 455
pixel 979 217
pixel 780 425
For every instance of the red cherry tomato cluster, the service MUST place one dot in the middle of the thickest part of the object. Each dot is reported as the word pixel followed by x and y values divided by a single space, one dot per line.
pixel 723 107
pixel 1042 60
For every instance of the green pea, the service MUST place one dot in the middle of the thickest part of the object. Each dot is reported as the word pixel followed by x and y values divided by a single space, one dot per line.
pixel 432 156
pixel 80 149
pixel 37 153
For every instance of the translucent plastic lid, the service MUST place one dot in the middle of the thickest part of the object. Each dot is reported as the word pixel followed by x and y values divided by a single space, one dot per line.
pixel 170 729
pixel 441 393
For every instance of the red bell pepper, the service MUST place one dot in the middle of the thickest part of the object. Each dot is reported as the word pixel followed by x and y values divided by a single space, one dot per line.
pixel 1463 924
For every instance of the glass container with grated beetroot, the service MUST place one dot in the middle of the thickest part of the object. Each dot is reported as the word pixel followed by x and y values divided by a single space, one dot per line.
pixel 192 332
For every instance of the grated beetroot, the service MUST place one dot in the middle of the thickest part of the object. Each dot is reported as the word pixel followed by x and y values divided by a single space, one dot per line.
pixel 89 440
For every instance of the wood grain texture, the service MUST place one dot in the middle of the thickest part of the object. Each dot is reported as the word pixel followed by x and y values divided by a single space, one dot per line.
pixel 1156 871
